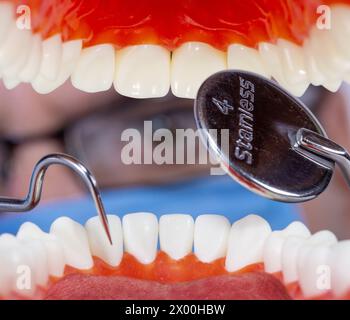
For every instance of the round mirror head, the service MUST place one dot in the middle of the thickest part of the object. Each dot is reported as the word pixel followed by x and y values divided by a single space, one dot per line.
pixel 250 125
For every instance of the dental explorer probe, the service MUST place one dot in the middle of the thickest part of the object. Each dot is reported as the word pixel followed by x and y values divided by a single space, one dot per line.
pixel 36 184
pixel 274 145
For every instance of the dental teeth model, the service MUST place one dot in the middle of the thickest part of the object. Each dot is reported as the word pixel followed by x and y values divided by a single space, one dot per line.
pixel 292 255
pixel 149 70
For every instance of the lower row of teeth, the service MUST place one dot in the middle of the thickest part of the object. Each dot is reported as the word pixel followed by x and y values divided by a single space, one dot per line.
pixel 318 262
pixel 145 71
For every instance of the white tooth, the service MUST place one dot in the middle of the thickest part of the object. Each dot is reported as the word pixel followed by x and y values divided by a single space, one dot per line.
pixel 191 65
pixel 32 66
pixel 141 236
pixel 10 83
pixel 271 58
pixel 244 58
pixel 75 243
pixel 95 69
pixel 340 265
pixel 246 242
pixel 323 237
pixel 54 249
pixel 99 243
pixel 314 271
pixel 341 27
pixel 38 255
pixel 326 58
pixel 70 56
pixel 11 50
pixel 176 235
pixel 293 64
pixel 316 77
pixel 211 237
pixel 51 57
pixel 293 250
pixel 272 252
pixel 289 258
pixel 12 70
pixel 16 268
pixel 7 19
pixel 143 71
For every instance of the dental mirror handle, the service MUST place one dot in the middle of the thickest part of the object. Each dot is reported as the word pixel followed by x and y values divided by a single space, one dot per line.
pixel 324 147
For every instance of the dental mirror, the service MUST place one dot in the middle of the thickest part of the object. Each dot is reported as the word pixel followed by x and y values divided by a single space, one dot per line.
pixel 264 152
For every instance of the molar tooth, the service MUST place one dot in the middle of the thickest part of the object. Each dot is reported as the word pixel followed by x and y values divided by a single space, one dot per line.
pixel 192 64
pixel 316 77
pixel 246 242
pixel 32 66
pixel 310 269
pixel 293 249
pixel 176 235
pixel 274 244
pixel 241 57
pixel 143 71
pixel 75 243
pixel 70 54
pixel 141 236
pixel 51 57
pixel 340 265
pixel 7 19
pixel 99 243
pixel 55 254
pixel 211 237
pixel 95 69
pixel 293 64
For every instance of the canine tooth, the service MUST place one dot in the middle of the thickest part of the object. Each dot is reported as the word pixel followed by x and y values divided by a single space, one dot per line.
pixel 272 252
pixel 244 58
pixel 293 64
pixel 54 249
pixel 271 58
pixel 141 236
pixel 51 57
pixel 32 66
pixel 211 237
pixel 340 265
pixel 12 47
pixel 95 69
pixel 7 19
pixel 74 241
pixel 70 54
pixel 99 243
pixel 312 270
pixel 143 71
pixel 246 242
pixel 192 63
pixel 176 235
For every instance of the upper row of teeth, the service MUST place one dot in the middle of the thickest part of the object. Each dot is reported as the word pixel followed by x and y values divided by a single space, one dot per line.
pixel 293 251
pixel 144 71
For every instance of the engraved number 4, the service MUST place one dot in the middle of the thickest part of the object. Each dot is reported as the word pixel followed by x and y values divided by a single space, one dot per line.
pixel 223 106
